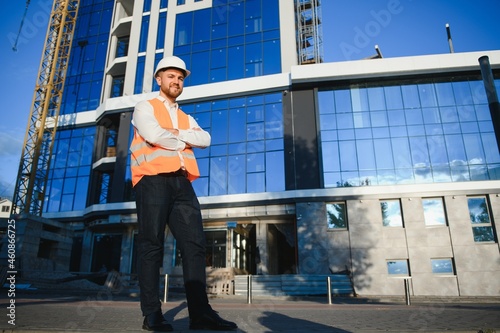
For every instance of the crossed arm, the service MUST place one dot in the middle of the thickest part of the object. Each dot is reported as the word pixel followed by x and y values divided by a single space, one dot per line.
pixel 168 138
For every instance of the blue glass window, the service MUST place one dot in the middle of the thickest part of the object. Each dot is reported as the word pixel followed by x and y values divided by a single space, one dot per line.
pixel 122 46
pixel 413 133
pixel 398 267
pixel 270 51
pixel 434 212
pixel 117 86
pixel 162 25
pixel 336 216
pixel 143 40
pixel 147 6
pixel 183 32
pixel 246 153
pixel 88 55
pixel 427 95
pixel 411 98
pixel 391 213
pixel 445 95
pixel 479 214
pixel 376 99
pixel 201 19
pixel 269 15
pixel 68 181
pixel 155 86
pixel 463 93
pixel 139 74
pixel 443 266
pixel 231 41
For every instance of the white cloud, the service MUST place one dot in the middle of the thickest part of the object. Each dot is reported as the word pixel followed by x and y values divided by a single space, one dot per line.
pixel 11 143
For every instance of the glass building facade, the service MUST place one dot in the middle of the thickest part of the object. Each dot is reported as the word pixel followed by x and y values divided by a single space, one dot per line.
pixel 85 74
pixel 231 40
pixel 247 132
pixel 409 133
pixel 246 152
pixel 69 175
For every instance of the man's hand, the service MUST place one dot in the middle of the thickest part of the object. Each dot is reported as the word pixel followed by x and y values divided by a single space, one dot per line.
pixel 175 131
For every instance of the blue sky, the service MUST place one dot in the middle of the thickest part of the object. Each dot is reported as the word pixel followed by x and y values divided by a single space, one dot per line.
pixel 351 29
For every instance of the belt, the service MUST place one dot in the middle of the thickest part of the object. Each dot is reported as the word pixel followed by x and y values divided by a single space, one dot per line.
pixel 178 173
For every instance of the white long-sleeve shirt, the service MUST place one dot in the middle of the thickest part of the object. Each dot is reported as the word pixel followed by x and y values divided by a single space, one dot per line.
pixel 148 127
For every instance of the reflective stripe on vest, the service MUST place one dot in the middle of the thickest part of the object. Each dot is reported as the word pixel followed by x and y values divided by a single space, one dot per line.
pixel 147 159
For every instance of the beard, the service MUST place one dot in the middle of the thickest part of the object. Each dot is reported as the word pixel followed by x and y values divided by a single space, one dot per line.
pixel 173 91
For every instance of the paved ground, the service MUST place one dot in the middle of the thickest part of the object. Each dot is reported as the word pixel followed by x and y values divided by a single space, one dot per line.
pixel 104 311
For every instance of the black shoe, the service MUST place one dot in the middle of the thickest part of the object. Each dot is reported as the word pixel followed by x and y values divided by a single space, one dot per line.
pixel 211 321
pixel 156 322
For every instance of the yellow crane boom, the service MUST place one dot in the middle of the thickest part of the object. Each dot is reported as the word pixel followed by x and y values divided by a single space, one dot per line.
pixel 31 180
pixel 14 48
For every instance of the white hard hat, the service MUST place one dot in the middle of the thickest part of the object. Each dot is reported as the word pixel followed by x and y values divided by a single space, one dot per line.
pixel 174 62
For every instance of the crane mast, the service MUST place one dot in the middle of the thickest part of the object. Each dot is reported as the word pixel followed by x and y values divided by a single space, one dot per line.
pixel 32 176
pixel 309 31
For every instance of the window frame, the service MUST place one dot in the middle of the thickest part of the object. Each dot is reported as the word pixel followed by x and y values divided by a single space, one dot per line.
pixel 477 225
pixel 445 217
pixel 344 212
pixel 406 261
pixel 381 201
pixel 452 265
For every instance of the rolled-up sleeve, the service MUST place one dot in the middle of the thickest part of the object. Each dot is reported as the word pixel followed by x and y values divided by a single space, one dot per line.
pixel 148 127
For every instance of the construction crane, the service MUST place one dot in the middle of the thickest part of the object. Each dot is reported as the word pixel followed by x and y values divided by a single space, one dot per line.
pixel 309 31
pixel 14 48
pixel 31 180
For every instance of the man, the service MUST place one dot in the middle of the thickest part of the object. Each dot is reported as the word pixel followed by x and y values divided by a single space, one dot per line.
pixel 163 166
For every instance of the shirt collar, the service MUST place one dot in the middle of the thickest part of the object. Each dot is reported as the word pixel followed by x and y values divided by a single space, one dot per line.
pixel 170 107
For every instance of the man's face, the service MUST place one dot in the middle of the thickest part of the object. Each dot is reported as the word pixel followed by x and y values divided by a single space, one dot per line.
pixel 171 82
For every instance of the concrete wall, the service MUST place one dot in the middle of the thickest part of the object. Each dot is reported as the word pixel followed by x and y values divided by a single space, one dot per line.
pixel 477 264
pixel 366 246
pixel 30 232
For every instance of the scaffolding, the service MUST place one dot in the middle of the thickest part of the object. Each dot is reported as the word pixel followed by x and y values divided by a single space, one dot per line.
pixel 309 33
pixel 29 193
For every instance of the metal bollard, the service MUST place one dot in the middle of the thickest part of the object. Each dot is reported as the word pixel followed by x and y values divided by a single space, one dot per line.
pixel 329 289
pixel 165 291
pixel 249 289
pixel 407 291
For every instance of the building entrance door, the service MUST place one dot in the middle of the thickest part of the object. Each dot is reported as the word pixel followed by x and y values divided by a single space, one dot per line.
pixel 216 248
pixel 270 251
pixel 281 246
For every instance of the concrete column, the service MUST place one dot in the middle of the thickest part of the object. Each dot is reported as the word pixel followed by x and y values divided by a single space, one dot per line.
pixel 118 187
pixel 261 244
pixel 312 238
pixel 302 153
pixel 492 95
pixel 126 249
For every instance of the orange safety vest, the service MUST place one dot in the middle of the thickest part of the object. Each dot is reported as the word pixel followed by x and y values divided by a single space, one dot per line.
pixel 148 160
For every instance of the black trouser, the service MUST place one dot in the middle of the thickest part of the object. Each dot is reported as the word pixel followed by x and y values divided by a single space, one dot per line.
pixel 170 200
